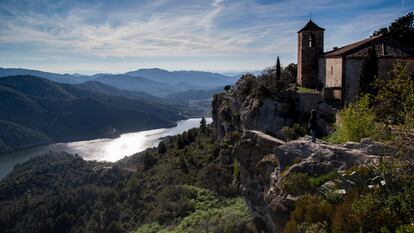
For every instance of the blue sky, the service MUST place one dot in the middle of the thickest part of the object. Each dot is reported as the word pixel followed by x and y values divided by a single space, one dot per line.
pixel 212 35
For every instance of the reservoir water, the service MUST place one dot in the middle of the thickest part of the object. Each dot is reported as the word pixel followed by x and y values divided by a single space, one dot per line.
pixel 101 149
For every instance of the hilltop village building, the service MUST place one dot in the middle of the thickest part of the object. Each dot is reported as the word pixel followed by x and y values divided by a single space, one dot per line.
pixel 337 72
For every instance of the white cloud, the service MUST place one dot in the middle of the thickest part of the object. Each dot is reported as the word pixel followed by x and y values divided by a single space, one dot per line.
pixel 216 29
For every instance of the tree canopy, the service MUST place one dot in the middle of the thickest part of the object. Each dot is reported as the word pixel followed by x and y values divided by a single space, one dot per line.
pixel 402 30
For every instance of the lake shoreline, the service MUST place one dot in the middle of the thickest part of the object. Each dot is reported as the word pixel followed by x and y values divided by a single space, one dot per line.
pixel 100 149
pixel 113 135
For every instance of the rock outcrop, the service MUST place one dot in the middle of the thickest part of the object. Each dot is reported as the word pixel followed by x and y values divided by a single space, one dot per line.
pixel 266 161
pixel 246 108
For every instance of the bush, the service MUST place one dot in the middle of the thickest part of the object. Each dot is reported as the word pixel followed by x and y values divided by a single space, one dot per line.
pixel 310 211
pixel 151 228
pixel 320 180
pixel 292 133
pixel 395 98
pixel 149 160
pixel 357 121
pixel 209 212
pixel 297 184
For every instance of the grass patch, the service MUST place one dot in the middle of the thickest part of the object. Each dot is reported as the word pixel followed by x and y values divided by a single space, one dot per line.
pixel 320 180
pixel 305 90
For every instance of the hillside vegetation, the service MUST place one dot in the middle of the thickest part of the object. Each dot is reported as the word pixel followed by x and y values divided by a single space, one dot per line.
pixel 187 184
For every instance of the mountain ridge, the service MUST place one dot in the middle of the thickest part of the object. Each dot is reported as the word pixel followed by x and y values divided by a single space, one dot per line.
pixel 154 81
pixel 65 112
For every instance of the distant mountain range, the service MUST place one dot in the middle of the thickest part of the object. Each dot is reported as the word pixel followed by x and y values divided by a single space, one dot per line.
pixel 185 80
pixel 136 83
pixel 153 81
pixel 239 74
pixel 35 111
pixel 61 78
pixel 39 107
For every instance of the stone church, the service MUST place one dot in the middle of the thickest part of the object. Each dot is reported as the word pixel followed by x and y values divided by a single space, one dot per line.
pixel 337 72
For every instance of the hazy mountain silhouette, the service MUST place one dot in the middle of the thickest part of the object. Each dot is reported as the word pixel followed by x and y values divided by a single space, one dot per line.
pixel 48 111
pixel 135 83
pixel 194 95
pixel 191 79
pixel 155 81
pixel 61 78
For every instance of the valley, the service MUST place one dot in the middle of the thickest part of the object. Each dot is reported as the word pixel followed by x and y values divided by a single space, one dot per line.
pixel 40 107
pixel 107 149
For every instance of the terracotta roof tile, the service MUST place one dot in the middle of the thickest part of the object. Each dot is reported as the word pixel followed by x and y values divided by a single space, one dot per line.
pixel 351 47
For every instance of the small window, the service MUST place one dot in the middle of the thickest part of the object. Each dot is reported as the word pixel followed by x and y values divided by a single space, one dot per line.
pixel 311 40
pixel 331 69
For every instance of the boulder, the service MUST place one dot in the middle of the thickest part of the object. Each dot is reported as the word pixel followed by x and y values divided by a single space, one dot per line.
pixel 266 161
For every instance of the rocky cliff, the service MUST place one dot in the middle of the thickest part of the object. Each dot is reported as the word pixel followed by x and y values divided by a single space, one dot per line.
pixel 266 162
pixel 250 106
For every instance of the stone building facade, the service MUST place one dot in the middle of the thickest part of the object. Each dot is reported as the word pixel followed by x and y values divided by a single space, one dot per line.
pixel 338 71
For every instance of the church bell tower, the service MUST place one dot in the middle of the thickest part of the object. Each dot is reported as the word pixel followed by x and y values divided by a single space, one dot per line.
pixel 310 48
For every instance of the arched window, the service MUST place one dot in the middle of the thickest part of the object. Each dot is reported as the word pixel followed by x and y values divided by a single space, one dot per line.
pixel 311 39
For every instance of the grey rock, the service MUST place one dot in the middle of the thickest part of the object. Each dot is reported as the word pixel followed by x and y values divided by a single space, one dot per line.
pixel 266 161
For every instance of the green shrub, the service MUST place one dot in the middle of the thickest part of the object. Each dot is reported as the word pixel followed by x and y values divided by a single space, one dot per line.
pixel 407 228
pixel 210 213
pixel 151 228
pixel 309 210
pixel 297 184
pixel 320 180
pixel 294 132
pixel 357 121
pixel 395 98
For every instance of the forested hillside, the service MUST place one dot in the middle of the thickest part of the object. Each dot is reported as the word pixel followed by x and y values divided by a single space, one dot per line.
pixel 187 183
pixel 38 111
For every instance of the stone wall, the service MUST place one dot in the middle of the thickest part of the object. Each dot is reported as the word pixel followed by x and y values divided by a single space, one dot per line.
pixel 333 72
pixel 385 65
pixel 322 70
pixel 306 102
pixel 353 69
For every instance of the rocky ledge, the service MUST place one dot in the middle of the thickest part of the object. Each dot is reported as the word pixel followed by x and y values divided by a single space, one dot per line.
pixel 265 162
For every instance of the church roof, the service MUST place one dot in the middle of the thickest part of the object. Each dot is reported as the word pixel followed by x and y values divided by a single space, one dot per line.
pixel 360 48
pixel 311 26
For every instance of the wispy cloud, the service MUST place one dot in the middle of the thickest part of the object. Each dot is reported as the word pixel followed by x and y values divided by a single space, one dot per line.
pixel 218 29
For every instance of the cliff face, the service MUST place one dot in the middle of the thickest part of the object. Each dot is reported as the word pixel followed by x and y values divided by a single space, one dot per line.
pixel 266 161
pixel 247 108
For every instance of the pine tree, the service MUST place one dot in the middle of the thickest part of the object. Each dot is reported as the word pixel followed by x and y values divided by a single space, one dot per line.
pixel 369 74
pixel 192 135
pixel 186 139
pixel 162 148
pixel 203 125
pixel 180 142
pixel 278 69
